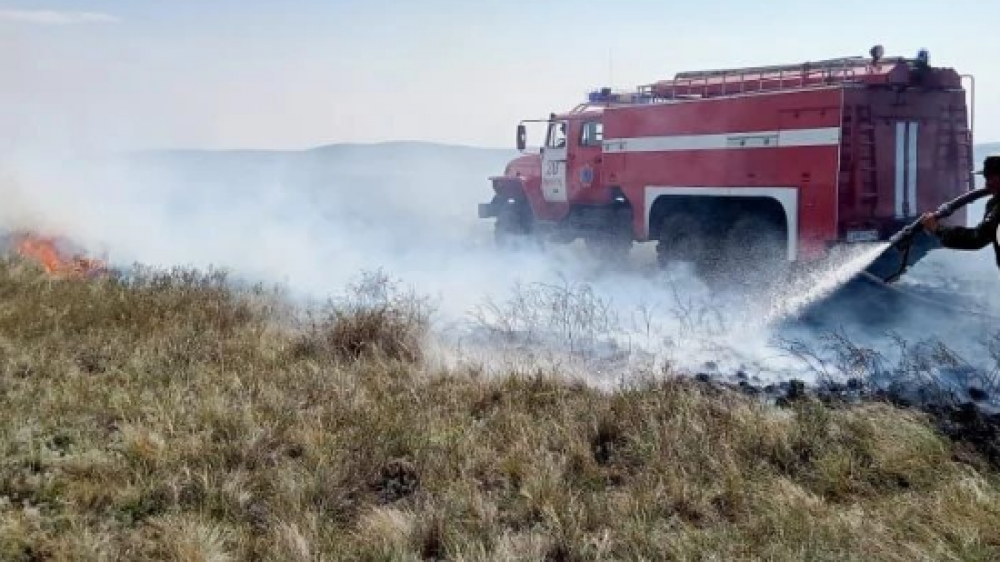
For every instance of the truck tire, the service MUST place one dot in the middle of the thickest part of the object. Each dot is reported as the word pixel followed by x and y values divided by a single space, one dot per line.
pixel 609 247
pixel 683 238
pixel 756 252
pixel 513 227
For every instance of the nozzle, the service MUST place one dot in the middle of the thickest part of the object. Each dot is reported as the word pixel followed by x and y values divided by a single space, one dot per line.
pixel 905 234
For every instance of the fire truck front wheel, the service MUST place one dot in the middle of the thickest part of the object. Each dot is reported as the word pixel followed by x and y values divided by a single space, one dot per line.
pixel 609 246
pixel 513 226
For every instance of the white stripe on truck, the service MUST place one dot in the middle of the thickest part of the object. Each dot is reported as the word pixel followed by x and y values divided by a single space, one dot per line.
pixel 900 167
pixel 912 170
pixel 828 136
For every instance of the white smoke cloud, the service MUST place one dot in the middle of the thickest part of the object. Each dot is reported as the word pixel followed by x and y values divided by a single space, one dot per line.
pixel 54 17
pixel 313 221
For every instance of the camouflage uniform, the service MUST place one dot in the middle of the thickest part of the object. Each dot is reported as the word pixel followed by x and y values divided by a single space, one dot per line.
pixel 985 233
pixel 977 237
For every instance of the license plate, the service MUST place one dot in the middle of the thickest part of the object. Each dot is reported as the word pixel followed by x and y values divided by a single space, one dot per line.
pixel 862 235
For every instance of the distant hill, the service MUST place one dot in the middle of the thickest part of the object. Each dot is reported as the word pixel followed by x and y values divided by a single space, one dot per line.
pixel 400 169
pixel 411 189
pixel 381 159
pixel 982 150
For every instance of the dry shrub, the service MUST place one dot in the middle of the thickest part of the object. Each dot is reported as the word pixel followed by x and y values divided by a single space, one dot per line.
pixel 375 319
pixel 568 316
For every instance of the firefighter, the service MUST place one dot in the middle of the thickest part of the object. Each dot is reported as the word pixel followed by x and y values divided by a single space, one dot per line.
pixel 986 232
pixel 561 139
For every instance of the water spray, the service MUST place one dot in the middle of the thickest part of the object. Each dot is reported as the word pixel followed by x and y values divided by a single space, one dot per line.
pixel 876 264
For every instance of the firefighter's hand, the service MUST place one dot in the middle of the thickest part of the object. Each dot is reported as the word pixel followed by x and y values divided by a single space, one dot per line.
pixel 930 222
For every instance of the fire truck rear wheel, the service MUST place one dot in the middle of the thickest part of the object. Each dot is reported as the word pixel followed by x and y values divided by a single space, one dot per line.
pixel 683 238
pixel 755 252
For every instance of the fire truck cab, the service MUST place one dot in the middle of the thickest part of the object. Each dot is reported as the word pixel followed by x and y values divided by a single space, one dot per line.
pixel 764 164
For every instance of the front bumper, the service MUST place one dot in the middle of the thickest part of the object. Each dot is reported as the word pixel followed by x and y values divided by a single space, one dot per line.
pixel 488 210
pixel 498 206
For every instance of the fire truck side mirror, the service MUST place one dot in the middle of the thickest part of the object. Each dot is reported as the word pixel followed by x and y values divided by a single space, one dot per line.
pixel 522 137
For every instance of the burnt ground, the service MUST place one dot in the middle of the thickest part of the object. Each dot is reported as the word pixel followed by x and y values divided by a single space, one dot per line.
pixel 968 417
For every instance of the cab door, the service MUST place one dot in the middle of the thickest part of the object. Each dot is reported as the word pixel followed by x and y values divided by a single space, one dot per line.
pixel 554 163
pixel 584 162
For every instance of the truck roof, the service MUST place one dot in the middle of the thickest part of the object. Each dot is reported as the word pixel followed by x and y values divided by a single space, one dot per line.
pixel 897 72
pixel 851 71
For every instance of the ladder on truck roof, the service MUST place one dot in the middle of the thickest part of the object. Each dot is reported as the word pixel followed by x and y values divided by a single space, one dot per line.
pixel 828 64
pixel 757 79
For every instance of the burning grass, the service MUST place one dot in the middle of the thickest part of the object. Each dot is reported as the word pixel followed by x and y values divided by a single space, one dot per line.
pixel 54 255
pixel 164 415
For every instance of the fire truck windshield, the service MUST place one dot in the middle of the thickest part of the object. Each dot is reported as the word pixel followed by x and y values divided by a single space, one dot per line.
pixel 592 133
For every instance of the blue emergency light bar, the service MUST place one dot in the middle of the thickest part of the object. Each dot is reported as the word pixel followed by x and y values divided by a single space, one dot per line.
pixel 606 95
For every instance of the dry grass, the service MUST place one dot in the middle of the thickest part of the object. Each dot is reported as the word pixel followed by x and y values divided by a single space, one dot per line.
pixel 376 320
pixel 167 418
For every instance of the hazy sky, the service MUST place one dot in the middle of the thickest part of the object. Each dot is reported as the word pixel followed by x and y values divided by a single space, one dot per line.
pixel 250 73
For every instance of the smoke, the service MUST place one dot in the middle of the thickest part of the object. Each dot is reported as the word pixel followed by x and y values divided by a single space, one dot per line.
pixel 313 221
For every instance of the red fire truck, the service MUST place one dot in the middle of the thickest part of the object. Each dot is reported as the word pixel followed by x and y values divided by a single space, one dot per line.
pixel 775 164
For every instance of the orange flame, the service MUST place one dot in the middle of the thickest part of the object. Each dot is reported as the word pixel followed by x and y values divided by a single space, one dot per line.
pixel 46 252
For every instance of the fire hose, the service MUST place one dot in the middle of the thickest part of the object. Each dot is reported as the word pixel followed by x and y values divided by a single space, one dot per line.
pixel 903 240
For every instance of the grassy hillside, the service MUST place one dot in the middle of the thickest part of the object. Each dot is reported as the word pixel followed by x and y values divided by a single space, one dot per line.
pixel 983 150
pixel 413 193
pixel 406 164
pixel 165 417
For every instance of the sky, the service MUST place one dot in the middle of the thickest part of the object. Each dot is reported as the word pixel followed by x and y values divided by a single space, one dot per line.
pixel 295 74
